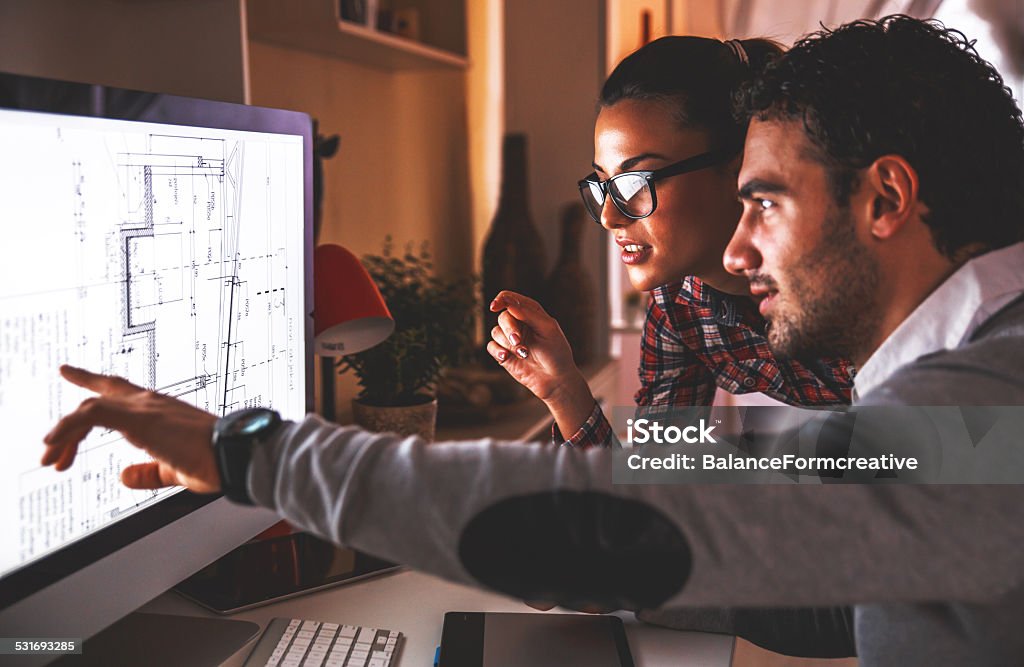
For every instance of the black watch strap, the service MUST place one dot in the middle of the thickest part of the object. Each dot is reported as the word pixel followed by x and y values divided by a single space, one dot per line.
pixel 234 437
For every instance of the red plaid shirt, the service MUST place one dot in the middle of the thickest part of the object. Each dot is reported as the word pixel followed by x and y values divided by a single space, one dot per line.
pixel 697 338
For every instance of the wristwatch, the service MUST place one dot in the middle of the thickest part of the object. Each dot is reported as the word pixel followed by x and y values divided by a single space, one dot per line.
pixel 234 436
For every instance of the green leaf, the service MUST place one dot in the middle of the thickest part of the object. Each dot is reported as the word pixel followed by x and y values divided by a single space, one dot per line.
pixel 434 327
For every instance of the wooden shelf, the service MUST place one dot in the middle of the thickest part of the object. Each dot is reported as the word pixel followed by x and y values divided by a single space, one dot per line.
pixel 314 25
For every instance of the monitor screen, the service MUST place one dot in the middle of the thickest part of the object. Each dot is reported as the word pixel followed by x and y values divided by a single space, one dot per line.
pixel 163 239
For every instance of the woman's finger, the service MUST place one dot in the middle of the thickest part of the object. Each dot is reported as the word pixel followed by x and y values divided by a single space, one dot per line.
pixel 498 352
pixel 515 333
pixel 505 297
pixel 528 312
pixel 508 298
pixel 513 328
pixel 498 336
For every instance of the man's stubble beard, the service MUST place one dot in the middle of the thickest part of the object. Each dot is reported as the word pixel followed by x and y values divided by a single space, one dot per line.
pixel 831 297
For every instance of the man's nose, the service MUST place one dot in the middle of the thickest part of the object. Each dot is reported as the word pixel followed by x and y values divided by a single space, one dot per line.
pixel 741 255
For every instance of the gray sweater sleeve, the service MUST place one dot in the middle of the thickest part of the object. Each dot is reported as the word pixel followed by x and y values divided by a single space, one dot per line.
pixel 542 522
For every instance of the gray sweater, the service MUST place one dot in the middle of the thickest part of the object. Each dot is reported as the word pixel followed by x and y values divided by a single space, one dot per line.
pixel 935 573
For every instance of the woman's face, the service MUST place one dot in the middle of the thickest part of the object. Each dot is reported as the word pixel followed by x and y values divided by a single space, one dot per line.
pixel 697 212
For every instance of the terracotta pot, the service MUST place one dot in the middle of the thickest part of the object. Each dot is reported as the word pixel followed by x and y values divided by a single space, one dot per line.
pixel 404 420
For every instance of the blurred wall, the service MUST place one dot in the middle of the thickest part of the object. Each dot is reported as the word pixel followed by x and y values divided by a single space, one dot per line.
pixel 185 47
pixel 400 132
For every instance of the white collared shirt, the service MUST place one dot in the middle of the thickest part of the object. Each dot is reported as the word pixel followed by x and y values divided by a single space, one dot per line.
pixel 949 315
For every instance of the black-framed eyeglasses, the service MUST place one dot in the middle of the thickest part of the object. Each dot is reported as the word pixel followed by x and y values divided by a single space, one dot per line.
pixel 633 192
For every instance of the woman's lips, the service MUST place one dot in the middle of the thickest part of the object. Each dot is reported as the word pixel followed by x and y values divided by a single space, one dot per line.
pixel 635 253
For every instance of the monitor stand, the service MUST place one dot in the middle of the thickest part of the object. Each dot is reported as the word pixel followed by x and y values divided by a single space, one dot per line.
pixel 162 640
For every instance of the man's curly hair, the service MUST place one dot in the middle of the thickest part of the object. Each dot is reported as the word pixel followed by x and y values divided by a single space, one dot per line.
pixel 916 89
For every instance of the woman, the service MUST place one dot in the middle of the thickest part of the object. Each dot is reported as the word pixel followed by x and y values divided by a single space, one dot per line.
pixel 667 150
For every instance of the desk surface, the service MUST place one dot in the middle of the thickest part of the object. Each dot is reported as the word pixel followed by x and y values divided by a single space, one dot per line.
pixel 415 603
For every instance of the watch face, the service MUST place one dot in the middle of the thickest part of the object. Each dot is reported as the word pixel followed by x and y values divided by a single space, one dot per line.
pixel 251 422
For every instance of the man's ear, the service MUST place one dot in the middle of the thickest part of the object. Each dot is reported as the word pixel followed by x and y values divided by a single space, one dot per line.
pixel 893 186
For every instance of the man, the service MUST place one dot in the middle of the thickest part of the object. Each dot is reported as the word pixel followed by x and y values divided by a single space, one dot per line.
pixel 883 189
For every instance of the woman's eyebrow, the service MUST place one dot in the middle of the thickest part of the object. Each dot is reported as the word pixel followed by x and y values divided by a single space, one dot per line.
pixel 629 163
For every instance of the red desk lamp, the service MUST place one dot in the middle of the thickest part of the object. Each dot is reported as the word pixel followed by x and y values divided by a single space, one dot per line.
pixel 349 314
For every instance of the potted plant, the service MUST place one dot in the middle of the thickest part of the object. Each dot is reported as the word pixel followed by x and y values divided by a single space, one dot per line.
pixel 434 329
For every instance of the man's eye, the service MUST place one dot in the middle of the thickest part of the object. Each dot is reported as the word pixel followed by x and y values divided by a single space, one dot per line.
pixel 765 204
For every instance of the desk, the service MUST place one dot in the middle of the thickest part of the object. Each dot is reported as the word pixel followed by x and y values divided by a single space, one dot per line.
pixel 415 603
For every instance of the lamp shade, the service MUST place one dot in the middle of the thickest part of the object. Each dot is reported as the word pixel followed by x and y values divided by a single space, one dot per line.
pixel 349 313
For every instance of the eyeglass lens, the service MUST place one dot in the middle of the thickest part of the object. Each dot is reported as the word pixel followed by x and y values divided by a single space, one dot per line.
pixel 631 194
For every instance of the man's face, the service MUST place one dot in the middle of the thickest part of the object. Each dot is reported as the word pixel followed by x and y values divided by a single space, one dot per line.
pixel 816 281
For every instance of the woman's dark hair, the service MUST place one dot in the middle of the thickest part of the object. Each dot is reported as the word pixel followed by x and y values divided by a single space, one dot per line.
pixel 916 89
pixel 697 76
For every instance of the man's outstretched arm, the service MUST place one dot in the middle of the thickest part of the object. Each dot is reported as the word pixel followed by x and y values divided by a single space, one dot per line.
pixel 539 522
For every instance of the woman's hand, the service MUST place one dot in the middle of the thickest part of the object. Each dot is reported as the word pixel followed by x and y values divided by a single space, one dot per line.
pixel 530 345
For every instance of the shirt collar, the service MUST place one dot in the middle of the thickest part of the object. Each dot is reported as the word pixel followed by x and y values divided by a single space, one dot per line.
pixel 949 315
pixel 689 289
pixel 726 309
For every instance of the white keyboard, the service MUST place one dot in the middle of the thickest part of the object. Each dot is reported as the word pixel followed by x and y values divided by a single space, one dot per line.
pixel 298 643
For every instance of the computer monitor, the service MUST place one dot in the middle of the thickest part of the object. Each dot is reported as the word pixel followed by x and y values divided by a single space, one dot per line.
pixel 167 240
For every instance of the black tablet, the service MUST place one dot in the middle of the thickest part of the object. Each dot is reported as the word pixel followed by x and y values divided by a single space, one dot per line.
pixel 476 639
pixel 267 570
